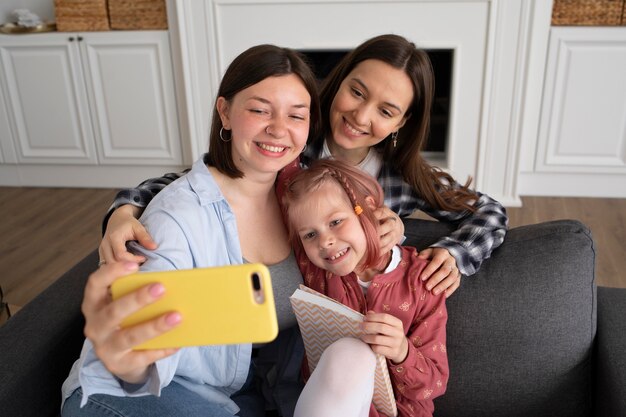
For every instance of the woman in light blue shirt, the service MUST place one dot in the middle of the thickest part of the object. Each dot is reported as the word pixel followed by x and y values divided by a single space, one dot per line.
pixel 224 211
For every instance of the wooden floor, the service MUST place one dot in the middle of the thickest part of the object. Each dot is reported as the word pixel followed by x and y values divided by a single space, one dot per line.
pixel 605 217
pixel 44 231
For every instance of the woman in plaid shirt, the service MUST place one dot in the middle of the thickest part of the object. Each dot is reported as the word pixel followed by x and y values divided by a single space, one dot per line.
pixel 378 100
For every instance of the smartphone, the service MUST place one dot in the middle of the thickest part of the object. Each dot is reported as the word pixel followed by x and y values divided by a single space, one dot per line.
pixel 220 305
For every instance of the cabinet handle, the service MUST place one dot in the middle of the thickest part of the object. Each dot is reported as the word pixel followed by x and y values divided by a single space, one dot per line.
pixel 71 39
pixel 80 38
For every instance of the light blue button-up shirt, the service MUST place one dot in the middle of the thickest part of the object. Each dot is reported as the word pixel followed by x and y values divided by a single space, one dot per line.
pixel 194 227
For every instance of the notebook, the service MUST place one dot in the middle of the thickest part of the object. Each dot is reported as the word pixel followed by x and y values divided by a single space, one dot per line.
pixel 322 321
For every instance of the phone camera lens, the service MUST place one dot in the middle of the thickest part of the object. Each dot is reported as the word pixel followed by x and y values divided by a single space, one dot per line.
pixel 256 281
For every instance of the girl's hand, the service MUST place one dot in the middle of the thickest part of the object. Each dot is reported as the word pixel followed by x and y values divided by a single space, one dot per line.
pixel 121 228
pixel 385 335
pixel 390 229
pixel 103 317
pixel 442 273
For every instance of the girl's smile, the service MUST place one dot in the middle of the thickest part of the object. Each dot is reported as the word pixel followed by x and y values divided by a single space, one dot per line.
pixel 338 255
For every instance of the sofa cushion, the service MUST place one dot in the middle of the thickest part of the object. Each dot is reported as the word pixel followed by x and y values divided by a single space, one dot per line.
pixel 521 330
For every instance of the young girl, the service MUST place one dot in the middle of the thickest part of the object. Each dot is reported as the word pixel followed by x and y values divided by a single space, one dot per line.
pixel 330 216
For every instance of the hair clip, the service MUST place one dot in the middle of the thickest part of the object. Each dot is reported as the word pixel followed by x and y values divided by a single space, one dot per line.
pixel 358 210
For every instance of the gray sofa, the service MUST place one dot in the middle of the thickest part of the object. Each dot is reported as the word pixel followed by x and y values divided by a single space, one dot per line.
pixel 529 335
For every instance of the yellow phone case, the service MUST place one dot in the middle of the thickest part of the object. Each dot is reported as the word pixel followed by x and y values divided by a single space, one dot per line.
pixel 221 305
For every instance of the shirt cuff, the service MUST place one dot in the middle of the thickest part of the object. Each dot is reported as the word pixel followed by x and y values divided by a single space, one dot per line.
pixel 460 255
pixel 398 370
pixel 151 386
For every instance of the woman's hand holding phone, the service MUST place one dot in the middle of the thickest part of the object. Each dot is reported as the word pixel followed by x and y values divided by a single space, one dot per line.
pixel 112 343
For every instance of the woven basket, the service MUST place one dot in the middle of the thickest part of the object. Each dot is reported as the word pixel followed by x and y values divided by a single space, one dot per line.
pixel 587 12
pixel 81 15
pixel 137 14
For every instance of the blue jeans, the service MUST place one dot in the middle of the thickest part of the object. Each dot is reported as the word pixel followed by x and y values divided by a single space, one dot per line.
pixel 281 358
pixel 175 400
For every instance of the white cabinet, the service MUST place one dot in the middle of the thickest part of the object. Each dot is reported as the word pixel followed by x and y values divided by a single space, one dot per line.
pixel 581 145
pixel 96 98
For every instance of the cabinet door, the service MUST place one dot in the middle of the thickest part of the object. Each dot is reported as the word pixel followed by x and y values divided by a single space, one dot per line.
pixel 131 89
pixel 45 99
pixel 581 147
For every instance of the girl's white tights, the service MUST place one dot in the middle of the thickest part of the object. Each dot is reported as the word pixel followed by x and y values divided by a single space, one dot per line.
pixel 342 384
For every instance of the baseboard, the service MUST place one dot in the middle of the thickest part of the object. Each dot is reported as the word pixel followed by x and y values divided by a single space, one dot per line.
pixel 572 185
pixel 84 176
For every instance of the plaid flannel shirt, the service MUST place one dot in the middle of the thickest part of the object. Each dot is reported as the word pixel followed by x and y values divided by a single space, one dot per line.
pixel 141 195
pixel 477 234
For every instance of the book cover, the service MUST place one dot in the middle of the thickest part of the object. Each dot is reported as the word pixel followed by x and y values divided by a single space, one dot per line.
pixel 322 321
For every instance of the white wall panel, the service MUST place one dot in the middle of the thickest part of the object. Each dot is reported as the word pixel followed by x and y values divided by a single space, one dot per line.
pixel 583 116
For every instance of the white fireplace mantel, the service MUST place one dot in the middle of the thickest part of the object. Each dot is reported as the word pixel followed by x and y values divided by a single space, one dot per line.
pixel 499 56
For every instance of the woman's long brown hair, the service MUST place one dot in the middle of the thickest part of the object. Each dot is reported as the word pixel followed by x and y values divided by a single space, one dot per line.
pixel 430 182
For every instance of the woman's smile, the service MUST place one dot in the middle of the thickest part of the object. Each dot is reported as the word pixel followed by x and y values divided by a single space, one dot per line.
pixel 271 149
pixel 349 129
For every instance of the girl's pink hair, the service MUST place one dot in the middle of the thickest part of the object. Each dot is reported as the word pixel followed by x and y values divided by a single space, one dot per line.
pixel 355 183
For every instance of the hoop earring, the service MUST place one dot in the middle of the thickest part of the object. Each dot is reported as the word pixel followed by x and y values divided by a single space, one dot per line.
pixel 394 138
pixel 304 149
pixel 222 136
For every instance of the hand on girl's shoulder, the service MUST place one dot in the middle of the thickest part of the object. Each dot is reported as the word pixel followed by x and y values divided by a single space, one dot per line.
pixel 415 264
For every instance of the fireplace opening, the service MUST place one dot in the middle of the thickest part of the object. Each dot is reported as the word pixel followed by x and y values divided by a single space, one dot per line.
pixel 323 61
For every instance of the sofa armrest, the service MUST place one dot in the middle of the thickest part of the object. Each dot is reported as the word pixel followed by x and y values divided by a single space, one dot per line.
pixel 610 384
pixel 39 344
